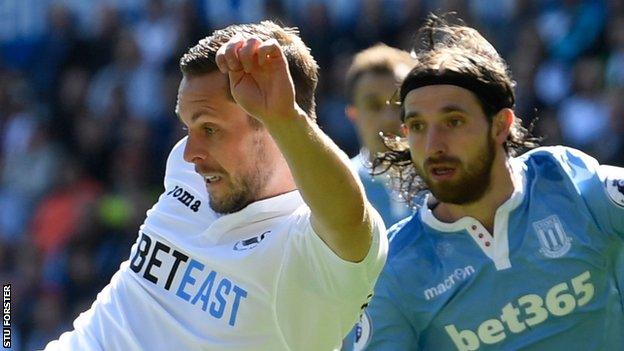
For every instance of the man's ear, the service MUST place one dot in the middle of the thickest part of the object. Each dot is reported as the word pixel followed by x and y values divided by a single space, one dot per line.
pixel 501 125
pixel 351 112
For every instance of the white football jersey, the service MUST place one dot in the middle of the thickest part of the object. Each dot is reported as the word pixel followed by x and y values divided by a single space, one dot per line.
pixel 257 279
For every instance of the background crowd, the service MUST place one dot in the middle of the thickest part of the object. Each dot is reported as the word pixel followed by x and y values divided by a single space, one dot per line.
pixel 87 91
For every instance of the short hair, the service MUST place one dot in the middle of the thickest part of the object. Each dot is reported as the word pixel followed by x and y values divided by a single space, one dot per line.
pixel 200 59
pixel 379 58
pixel 458 55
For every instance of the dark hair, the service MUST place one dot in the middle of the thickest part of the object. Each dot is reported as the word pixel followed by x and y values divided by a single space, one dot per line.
pixel 200 59
pixel 458 55
pixel 381 59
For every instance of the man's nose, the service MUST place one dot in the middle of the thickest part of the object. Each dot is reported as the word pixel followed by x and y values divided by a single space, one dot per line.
pixel 391 114
pixel 390 120
pixel 436 142
pixel 194 151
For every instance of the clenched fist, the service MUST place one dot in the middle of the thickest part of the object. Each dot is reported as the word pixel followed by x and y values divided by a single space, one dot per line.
pixel 260 81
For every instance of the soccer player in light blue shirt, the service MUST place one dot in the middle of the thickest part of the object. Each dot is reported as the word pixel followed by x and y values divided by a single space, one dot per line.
pixel 505 252
pixel 372 78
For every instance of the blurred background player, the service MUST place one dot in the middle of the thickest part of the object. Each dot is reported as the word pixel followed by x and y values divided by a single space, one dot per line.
pixel 505 252
pixel 372 79
pixel 263 231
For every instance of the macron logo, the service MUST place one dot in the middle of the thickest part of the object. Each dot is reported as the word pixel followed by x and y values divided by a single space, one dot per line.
pixel 458 275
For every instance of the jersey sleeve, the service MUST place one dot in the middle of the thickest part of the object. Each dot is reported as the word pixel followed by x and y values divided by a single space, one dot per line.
pixel 327 290
pixel 183 206
pixel 612 180
pixel 383 326
pixel 106 325
pixel 601 187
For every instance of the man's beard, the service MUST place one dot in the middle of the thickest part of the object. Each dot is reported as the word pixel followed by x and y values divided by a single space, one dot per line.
pixel 474 177
pixel 239 195
pixel 246 188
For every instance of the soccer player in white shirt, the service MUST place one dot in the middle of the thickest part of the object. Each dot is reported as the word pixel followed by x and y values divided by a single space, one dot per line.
pixel 263 238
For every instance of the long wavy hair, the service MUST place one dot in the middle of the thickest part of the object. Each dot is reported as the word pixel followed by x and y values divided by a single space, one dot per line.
pixel 453 54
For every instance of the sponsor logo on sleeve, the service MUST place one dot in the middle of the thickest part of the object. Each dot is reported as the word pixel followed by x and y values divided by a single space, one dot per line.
pixel 363 330
pixel 615 190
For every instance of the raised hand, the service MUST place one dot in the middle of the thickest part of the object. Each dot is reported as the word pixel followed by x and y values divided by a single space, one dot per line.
pixel 259 78
pixel 261 84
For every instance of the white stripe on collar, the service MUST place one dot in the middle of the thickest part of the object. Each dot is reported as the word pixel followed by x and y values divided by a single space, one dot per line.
pixel 496 247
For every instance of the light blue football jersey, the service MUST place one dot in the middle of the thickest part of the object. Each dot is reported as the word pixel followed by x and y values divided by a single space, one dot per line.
pixel 549 278
pixel 378 192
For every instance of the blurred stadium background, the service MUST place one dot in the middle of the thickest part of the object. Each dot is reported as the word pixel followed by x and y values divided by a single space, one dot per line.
pixel 87 91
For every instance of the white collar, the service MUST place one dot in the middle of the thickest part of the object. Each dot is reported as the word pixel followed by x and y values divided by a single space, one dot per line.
pixel 518 172
pixel 362 159
pixel 261 210
pixel 496 246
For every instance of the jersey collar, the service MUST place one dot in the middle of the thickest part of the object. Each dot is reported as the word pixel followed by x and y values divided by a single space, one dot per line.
pixel 495 246
pixel 261 210
pixel 519 174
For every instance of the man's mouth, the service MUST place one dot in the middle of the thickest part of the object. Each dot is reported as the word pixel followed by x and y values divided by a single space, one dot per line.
pixel 442 172
pixel 212 178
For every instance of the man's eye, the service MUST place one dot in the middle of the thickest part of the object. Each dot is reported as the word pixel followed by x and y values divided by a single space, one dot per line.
pixel 416 126
pixel 374 105
pixel 455 122
pixel 209 130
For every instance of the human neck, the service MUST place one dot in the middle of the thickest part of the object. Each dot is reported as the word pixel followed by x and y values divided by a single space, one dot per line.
pixel 484 210
pixel 280 182
pixel 370 151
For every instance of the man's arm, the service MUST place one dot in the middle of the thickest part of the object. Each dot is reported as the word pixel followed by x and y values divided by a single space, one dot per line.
pixel 613 181
pixel 261 84
pixel 382 326
pixel 600 186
